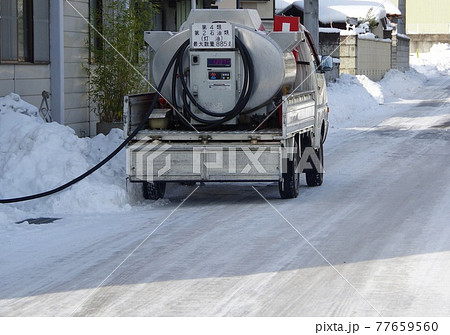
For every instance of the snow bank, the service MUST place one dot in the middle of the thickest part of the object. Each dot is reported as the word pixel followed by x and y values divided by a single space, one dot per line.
pixel 356 100
pixel 339 11
pixel 396 84
pixel 435 63
pixel 36 156
pixel 350 101
pixel 13 103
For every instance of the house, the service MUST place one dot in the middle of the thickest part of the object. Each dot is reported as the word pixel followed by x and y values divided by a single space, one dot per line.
pixel 346 13
pixel 173 13
pixel 427 23
pixel 358 33
pixel 43 47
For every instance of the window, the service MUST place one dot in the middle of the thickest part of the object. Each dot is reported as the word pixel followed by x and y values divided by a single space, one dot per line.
pixel 97 18
pixel 24 31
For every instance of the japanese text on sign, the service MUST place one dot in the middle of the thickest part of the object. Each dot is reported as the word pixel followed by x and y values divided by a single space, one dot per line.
pixel 212 35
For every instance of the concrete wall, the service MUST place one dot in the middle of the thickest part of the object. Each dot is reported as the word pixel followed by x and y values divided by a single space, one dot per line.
pixel 348 54
pixel 368 57
pixel 373 58
pixel 423 42
pixel 400 52
pixel 76 54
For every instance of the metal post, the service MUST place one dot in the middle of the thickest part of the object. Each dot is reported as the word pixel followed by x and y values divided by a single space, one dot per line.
pixel 311 18
pixel 238 4
pixel 193 4
pixel 401 23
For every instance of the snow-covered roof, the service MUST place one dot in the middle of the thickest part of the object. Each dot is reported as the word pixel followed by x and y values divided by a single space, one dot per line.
pixel 340 10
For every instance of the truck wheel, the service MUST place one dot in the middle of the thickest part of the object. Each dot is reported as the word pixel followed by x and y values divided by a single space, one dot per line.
pixel 313 177
pixel 290 185
pixel 153 191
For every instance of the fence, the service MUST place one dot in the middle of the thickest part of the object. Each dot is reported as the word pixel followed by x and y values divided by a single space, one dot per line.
pixel 373 57
pixel 400 52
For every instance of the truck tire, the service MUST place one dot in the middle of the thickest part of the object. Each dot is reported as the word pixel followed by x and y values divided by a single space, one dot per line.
pixel 153 191
pixel 314 177
pixel 290 185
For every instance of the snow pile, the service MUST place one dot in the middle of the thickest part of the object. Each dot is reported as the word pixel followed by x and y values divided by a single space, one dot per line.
pixel 434 63
pixel 373 88
pixel 367 36
pixel 13 103
pixel 396 84
pixel 356 100
pixel 349 100
pixel 339 11
pixel 36 156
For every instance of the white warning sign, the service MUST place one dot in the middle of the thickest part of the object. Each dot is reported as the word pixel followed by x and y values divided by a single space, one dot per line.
pixel 217 35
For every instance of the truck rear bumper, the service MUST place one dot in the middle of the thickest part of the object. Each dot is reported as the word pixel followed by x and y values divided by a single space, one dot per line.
pixel 163 161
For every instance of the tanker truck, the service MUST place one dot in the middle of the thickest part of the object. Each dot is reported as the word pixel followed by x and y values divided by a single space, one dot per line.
pixel 232 103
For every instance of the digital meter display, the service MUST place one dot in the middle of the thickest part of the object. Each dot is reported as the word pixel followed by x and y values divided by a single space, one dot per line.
pixel 219 62
pixel 219 75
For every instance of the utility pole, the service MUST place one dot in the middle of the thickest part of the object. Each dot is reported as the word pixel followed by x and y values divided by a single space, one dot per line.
pixel 311 18
pixel 193 4
pixel 401 23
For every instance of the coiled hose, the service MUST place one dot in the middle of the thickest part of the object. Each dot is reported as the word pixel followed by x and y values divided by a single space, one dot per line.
pixel 188 98
pixel 176 59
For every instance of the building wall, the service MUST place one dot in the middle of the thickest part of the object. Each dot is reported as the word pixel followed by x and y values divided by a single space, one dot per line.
pixel 265 9
pixel 27 80
pixel 427 17
pixel 76 55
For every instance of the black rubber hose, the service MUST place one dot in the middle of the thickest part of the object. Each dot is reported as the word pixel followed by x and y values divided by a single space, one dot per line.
pixel 112 154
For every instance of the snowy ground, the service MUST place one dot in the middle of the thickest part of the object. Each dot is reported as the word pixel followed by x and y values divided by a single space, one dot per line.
pixel 374 239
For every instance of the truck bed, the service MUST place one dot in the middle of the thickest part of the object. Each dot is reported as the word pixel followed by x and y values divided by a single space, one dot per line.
pixel 226 136
pixel 298 117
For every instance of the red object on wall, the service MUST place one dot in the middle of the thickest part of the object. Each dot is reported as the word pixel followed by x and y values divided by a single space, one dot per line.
pixel 292 21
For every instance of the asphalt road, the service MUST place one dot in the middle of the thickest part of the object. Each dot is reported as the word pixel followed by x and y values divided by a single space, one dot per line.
pixel 373 240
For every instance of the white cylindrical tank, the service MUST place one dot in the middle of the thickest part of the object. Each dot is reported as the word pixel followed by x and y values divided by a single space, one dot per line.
pixel 274 68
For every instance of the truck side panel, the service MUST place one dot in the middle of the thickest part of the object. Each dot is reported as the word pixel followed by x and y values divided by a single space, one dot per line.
pixel 153 161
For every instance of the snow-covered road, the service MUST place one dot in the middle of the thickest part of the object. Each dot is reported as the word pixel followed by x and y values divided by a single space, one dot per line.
pixel 373 240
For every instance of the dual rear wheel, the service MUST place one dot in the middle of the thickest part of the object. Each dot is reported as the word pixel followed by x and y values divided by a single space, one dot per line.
pixel 153 191
pixel 289 186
